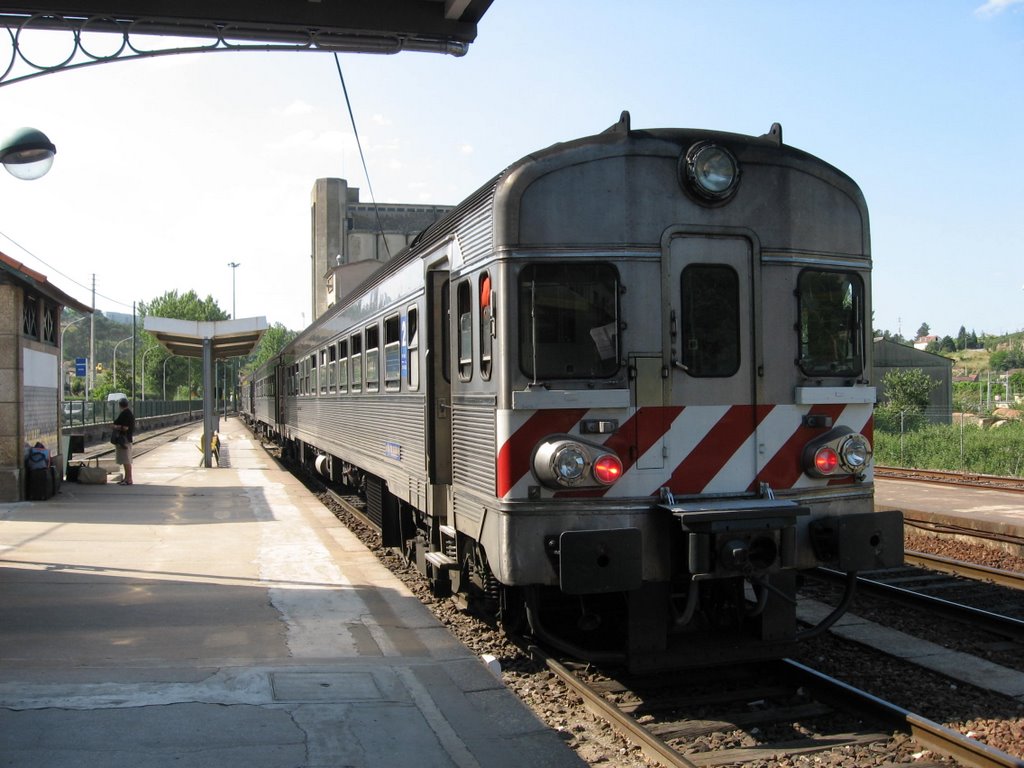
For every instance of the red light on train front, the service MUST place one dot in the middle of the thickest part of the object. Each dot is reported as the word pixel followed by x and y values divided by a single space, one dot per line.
pixel 607 469
pixel 826 460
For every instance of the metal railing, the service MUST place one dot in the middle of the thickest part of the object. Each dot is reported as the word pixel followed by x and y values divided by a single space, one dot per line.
pixel 80 413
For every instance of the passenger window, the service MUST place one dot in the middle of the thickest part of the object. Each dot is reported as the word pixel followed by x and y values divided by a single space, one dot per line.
pixel 356 343
pixel 392 354
pixel 465 315
pixel 831 311
pixel 486 324
pixel 343 365
pixel 413 343
pixel 710 329
pixel 323 371
pixel 568 321
pixel 372 364
pixel 332 362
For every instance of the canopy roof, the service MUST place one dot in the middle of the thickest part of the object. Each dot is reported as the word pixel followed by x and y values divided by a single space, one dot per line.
pixel 229 338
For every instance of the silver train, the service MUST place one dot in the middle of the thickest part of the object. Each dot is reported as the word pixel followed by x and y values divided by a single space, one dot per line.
pixel 621 395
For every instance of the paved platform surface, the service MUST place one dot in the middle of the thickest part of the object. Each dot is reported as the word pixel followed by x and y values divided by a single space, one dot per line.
pixel 222 617
pixel 974 509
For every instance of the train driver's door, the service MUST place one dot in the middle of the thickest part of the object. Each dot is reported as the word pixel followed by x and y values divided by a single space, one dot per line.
pixel 708 289
pixel 439 387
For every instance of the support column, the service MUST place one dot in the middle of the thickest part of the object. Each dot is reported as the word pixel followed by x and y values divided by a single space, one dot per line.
pixel 209 401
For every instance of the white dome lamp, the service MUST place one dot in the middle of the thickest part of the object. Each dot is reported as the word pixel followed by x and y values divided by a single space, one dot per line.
pixel 27 153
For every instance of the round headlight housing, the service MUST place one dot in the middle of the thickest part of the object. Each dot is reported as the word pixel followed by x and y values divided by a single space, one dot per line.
pixel 855 453
pixel 710 172
pixel 569 464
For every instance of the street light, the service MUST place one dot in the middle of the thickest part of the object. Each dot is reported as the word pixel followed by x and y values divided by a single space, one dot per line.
pixel 122 341
pixel 165 373
pixel 234 265
pixel 27 153
pixel 62 331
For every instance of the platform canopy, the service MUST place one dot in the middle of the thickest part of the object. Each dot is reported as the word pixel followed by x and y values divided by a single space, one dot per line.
pixel 228 338
pixel 364 26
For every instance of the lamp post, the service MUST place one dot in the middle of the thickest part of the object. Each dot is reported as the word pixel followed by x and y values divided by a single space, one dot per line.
pixel 165 373
pixel 118 344
pixel 27 153
pixel 62 374
pixel 234 265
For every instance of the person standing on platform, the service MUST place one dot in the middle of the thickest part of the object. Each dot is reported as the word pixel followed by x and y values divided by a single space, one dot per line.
pixel 124 427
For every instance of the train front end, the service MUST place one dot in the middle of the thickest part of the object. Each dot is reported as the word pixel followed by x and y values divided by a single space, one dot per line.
pixel 686 410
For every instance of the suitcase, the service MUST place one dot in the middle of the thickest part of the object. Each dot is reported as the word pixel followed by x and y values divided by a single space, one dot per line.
pixel 41 484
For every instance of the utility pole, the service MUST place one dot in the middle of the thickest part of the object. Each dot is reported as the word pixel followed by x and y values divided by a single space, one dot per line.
pixel 90 374
pixel 234 265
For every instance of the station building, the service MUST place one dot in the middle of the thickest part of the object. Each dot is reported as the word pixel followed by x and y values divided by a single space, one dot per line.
pixel 351 239
pixel 30 377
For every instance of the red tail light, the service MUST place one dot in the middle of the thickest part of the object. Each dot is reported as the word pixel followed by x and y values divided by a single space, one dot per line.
pixel 826 460
pixel 607 469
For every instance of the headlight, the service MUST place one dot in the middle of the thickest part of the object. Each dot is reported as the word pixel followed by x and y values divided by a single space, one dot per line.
pixel 711 171
pixel 855 453
pixel 563 461
pixel 569 464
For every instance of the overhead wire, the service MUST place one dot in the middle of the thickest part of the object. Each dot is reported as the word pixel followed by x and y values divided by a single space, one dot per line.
pixel 362 157
pixel 57 271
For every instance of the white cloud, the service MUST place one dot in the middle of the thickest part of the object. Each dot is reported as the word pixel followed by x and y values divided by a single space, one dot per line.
pixel 298 108
pixel 379 119
pixel 466 149
pixel 995 7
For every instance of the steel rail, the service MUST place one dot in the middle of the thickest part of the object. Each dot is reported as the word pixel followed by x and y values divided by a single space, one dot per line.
pixel 967 479
pixel 652 747
pixel 925 732
pixel 1006 626
pixel 1010 579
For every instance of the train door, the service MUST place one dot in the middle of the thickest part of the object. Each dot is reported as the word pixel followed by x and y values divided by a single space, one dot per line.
pixel 708 290
pixel 438 375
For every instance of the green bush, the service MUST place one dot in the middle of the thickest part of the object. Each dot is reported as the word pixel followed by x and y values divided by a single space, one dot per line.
pixel 992 451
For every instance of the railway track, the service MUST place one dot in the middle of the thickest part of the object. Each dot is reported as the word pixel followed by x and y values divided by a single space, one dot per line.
pixel 969 479
pixel 665 730
pixel 143 444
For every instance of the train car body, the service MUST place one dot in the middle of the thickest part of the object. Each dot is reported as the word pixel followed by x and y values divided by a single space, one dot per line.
pixel 623 392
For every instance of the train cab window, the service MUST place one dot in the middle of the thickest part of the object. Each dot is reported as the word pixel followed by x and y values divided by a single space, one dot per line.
pixel 343 365
pixel 356 345
pixel 568 321
pixel 465 315
pixel 486 324
pixel 332 368
pixel 831 327
pixel 710 302
pixel 372 363
pixel 392 354
pixel 323 371
pixel 412 378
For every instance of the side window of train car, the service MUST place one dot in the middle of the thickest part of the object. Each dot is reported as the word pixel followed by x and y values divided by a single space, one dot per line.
pixel 343 365
pixel 465 315
pixel 413 343
pixel 392 354
pixel 312 383
pixel 486 324
pixel 568 321
pixel 356 348
pixel 372 364
pixel 323 372
pixel 710 302
pixel 831 311
pixel 332 370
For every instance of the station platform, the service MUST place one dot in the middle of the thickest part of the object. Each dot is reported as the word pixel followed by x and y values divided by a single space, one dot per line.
pixel 223 617
pixel 988 510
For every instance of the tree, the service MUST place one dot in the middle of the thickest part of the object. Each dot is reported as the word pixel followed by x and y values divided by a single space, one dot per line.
pixel 187 306
pixel 271 342
pixel 908 389
pixel 923 330
pixel 961 338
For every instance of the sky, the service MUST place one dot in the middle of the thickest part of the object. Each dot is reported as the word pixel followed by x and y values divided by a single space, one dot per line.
pixel 170 168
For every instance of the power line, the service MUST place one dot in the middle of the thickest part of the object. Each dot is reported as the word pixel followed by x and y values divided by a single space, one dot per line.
pixel 57 271
pixel 362 157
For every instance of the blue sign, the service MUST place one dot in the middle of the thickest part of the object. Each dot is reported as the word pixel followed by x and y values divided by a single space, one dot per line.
pixel 80 366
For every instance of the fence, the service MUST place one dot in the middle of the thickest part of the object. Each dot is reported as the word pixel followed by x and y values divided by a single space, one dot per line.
pixel 992 445
pixel 80 413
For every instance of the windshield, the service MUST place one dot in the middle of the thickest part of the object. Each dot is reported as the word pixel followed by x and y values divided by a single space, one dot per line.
pixel 831 308
pixel 568 319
